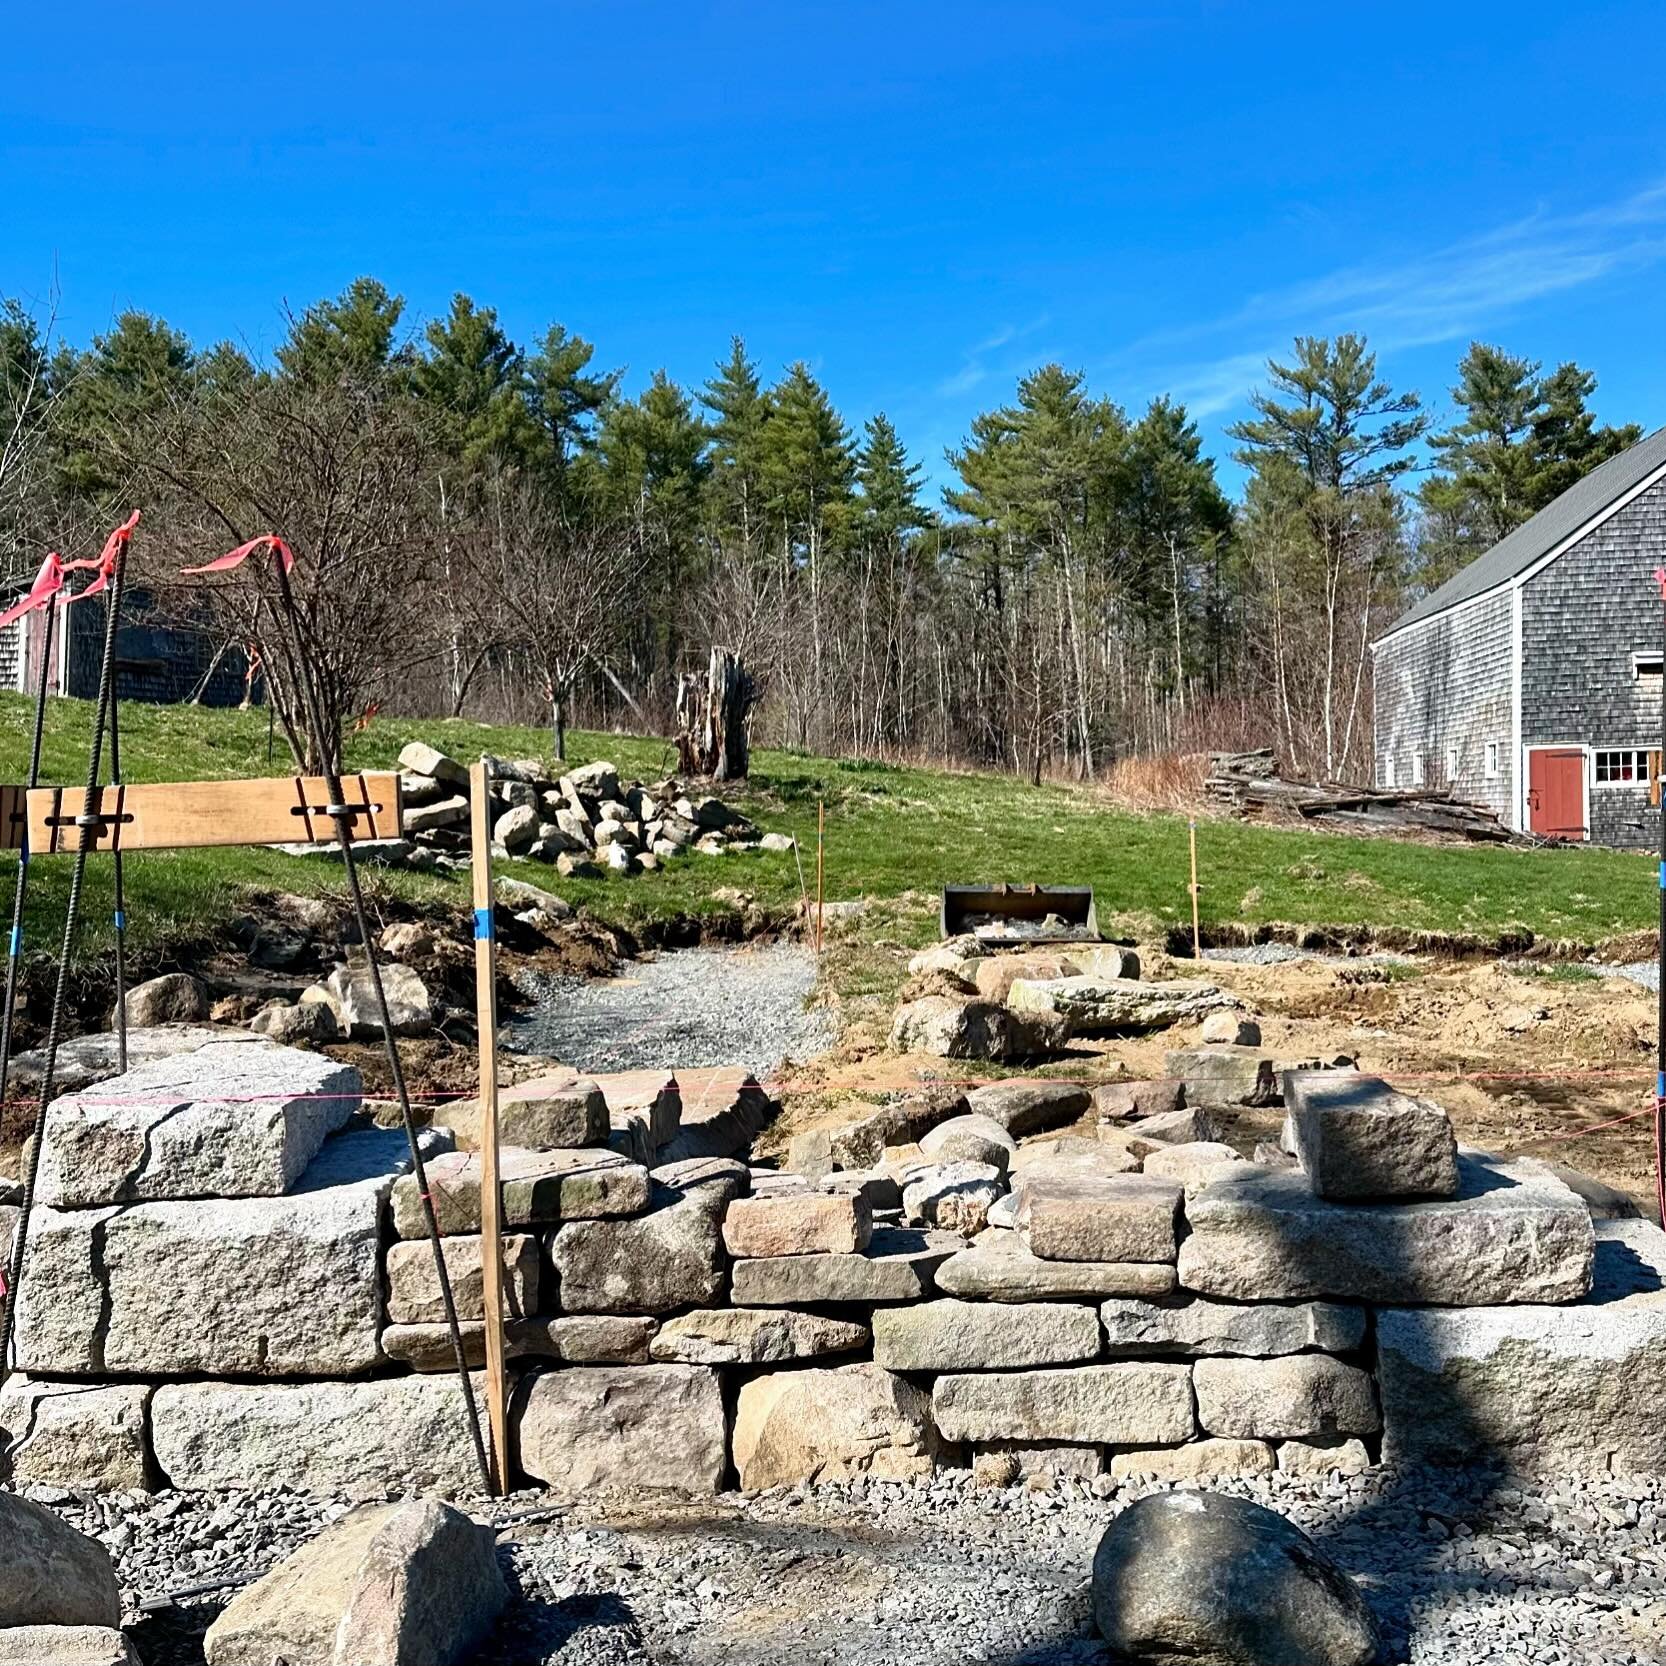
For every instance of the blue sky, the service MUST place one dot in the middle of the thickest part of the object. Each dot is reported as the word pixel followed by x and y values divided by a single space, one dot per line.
pixel 922 200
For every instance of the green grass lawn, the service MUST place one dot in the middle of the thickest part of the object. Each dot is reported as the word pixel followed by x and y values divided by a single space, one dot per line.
pixel 890 830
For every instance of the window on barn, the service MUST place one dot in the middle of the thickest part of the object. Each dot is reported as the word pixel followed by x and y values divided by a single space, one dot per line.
pixel 1451 763
pixel 1417 769
pixel 1646 665
pixel 1624 767
pixel 1492 760
pixel 1386 770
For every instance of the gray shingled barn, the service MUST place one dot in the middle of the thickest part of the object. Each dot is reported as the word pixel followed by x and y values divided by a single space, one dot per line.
pixel 1531 680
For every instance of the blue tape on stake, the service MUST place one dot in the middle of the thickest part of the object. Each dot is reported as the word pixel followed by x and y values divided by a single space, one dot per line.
pixel 484 930
pixel 17 941
pixel 1663 876
pixel 1660 1085
pixel 121 920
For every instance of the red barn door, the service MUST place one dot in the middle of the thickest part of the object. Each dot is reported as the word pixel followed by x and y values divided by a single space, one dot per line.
pixel 1556 792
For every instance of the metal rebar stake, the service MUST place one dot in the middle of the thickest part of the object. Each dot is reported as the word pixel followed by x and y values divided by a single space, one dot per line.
pixel 343 815
pixel 88 822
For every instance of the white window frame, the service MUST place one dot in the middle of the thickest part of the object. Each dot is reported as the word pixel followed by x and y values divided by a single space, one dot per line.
pixel 1386 772
pixel 1416 767
pixel 1637 782
pixel 1639 661
pixel 1451 763
pixel 1492 752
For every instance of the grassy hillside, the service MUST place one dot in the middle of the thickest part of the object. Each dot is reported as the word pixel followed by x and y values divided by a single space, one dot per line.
pixel 889 830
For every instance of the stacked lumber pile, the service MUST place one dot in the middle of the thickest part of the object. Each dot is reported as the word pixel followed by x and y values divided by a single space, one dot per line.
pixel 1251 784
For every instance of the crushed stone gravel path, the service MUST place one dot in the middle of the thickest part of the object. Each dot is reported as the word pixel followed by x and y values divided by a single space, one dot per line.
pixel 1460 1569
pixel 683 1009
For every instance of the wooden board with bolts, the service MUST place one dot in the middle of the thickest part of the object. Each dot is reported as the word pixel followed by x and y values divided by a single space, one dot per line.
pixel 193 815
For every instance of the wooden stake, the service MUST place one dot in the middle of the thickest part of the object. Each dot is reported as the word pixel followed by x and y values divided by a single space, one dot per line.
pixel 1197 941
pixel 491 1211
pixel 821 844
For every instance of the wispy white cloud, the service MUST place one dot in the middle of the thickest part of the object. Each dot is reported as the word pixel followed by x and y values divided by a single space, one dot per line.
pixel 977 368
pixel 1462 289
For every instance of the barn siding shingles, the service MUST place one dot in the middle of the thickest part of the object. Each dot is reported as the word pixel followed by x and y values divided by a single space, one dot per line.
pixel 1446 683
pixel 1583 617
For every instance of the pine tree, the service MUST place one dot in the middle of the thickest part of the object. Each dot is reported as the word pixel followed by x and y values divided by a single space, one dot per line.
pixel 471 379
pixel 1567 443
pixel 350 336
pixel 739 409
pixel 565 396
pixel 1327 446
pixel 889 483
pixel 131 378
pixel 808 469
pixel 1522 440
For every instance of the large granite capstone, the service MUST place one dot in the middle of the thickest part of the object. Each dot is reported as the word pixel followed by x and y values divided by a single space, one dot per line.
pixel 229 1120
pixel 1514 1233
pixel 1571 1390
pixel 259 1287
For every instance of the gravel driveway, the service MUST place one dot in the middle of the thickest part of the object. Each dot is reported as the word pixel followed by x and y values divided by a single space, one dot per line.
pixel 683 1009
pixel 1459 1570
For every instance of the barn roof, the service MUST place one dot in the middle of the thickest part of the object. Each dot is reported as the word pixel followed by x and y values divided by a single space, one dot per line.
pixel 1560 520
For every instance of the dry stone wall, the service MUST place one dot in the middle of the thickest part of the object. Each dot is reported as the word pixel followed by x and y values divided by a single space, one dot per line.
pixel 963 1284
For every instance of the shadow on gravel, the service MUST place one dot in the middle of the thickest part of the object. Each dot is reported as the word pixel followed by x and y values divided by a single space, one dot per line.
pixel 602 1623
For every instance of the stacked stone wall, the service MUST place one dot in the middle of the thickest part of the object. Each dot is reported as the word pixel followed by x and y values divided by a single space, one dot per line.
pixel 1131 1296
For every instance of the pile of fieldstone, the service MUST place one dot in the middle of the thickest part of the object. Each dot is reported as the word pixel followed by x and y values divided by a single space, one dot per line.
pixel 586 822
pixel 971 998
pixel 227 1285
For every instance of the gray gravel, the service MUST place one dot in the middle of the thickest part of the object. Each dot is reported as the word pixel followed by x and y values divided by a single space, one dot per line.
pixel 1282 954
pixel 682 1010
pixel 1460 1570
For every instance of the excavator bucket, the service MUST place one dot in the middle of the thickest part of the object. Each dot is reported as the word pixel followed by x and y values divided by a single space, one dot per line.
pixel 1021 913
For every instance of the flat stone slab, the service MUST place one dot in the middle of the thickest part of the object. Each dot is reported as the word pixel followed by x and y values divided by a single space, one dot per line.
pixel 753 1336
pixel 722 1110
pixel 353 1440
pixel 227 1120
pixel 1119 1217
pixel 1030 1107
pixel 1097 1405
pixel 798 1223
pixel 1299 1397
pixel 594 1429
pixel 1105 1006
pixel 1514 1233
pixel 414 1286
pixel 1223 1073
pixel 1197 1460
pixel 65 1646
pixel 578 1339
pixel 998 1268
pixel 540 1188
pixel 977 1336
pixel 897 1266
pixel 559 1110
pixel 85 1059
pixel 1569 1390
pixel 260 1287
pixel 1196 1326
pixel 668 1258
pixel 88 1435
pixel 1356 1137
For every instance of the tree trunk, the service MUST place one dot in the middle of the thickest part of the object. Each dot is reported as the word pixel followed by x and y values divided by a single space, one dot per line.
pixel 558 725
pixel 714 719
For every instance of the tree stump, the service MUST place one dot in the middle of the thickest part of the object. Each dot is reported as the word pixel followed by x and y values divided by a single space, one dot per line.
pixel 714 714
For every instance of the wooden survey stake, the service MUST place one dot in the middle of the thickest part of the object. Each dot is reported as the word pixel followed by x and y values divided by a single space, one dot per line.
pixel 180 815
pixel 491 1212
